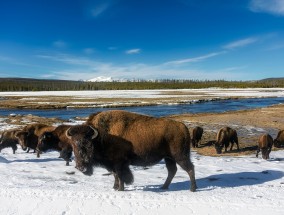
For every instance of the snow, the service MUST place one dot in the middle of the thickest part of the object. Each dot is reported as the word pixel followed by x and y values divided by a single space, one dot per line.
pixel 217 92
pixel 226 185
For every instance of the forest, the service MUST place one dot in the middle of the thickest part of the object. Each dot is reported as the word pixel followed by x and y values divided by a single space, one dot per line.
pixel 23 84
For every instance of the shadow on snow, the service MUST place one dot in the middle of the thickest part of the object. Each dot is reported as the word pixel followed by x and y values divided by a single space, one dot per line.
pixel 36 160
pixel 225 180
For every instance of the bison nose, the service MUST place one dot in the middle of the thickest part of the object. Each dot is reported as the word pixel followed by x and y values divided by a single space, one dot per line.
pixel 85 170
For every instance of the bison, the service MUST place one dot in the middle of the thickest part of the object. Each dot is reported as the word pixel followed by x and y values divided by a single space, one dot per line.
pixel 265 143
pixel 279 140
pixel 116 139
pixel 224 137
pixel 196 135
pixel 28 137
pixel 8 139
pixel 56 140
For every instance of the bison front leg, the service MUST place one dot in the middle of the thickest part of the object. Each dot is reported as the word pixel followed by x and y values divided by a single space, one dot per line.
pixel 116 181
pixel 124 174
pixel 258 150
pixel 172 169
pixel 14 147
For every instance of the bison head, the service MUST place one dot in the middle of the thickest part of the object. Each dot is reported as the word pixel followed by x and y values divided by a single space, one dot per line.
pixel 265 153
pixel 218 147
pixel 46 141
pixel 22 137
pixel 82 138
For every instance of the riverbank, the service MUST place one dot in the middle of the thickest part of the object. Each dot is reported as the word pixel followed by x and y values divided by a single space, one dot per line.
pixel 250 124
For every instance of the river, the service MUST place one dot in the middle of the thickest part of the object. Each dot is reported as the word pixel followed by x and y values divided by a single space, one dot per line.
pixel 159 110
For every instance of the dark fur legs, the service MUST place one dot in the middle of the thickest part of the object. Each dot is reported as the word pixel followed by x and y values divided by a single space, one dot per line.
pixel 14 148
pixel 122 174
pixel 172 169
pixel 189 168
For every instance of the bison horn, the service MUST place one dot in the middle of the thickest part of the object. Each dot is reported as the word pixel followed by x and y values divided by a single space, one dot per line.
pixel 67 133
pixel 96 133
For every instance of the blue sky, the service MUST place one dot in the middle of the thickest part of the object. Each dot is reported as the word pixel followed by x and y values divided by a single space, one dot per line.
pixel 149 39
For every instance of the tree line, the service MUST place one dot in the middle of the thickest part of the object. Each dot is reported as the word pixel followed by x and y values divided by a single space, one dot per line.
pixel 21 84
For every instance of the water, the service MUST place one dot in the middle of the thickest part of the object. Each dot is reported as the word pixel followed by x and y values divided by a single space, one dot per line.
pixel 160 110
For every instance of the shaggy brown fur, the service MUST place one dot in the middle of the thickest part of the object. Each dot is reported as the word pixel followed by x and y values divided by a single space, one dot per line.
pixel 8 139
pixel 196 135
pixel 28 137
pixel 56 140
pixel 124 138
pixel 279 140
pixel 224 137
pixel 265 143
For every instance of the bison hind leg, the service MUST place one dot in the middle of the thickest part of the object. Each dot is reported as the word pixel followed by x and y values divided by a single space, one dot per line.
pixel 189 168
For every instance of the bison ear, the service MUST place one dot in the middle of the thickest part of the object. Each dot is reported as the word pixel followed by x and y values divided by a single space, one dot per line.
pixel 95 132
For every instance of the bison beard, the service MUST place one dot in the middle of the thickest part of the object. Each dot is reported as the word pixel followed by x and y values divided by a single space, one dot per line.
pixel 122 139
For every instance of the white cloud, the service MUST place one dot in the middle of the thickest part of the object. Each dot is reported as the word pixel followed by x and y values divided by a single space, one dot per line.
pixel 275 7
pixel 99 9
pixel 89 50
pixel 59 44
pixel 240 43
pixel 133 51
pixel 195 59
pixel 85 69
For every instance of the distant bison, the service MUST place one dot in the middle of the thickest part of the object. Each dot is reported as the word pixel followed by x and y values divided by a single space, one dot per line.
pixel 28 137
pixel 265 143
pixel 56 140
pixel 279 140
pixel 116 139
pixel 224 137
pixel 8 139
pixel 196 135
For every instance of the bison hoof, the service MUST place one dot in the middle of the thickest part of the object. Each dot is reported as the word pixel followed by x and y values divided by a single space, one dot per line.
pixel 164 187
pixel 193 188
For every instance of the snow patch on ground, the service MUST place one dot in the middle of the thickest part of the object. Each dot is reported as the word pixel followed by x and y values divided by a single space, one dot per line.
pixel 226 185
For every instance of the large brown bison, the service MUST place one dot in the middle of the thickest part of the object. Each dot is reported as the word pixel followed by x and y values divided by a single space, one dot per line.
pixel 116 139
pixel 265 143
pixel 28 137
pixel 224 137
pixel 279 140
pixel 8 139
pixel 56 140
pixel 196 135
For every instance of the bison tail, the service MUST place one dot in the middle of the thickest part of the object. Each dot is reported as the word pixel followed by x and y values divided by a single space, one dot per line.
pixel 127 175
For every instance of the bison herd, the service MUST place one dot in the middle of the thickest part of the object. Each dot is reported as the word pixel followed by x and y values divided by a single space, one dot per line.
pixel 117 139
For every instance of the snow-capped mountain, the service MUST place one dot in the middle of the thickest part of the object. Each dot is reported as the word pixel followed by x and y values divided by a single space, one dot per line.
pixel 101 79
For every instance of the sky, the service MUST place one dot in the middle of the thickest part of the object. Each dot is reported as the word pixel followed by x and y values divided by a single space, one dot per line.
pixel 149 39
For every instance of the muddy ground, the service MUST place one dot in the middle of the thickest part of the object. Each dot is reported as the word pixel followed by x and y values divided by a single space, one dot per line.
pixel 250 124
